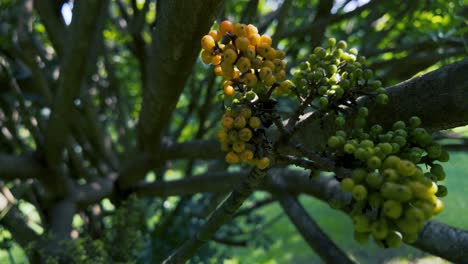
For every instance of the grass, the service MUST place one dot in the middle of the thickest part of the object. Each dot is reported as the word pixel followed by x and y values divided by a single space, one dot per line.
pixel 289 247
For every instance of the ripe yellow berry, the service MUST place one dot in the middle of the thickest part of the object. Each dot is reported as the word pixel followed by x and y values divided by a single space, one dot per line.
pixel 265 73
pixel 246 113
pixel 206 57
pixel 215 34
pixel 250 79
pixel 254 39
pixel 280 54
pixel 263 163
pixel 243 64
pixel 265 39
pixel 242 43
pixel 239 122
pixel 232 158
pixel 229 56
pixel 218 70
pixel 281 75
pixel 207 43
pixel 245 134
pixel 255 122
pixel 251 30
pixel 222 136
pixel 216 60
pixel 269 64
pixel 227 122
pixel 239 29
pixel 228 69
pixel 270 81
pixel 246 155
pixel 238 146
pixel 256 63
pixel 225 27
pixel 229 90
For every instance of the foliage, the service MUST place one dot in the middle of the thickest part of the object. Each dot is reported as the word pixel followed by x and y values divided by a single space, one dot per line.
pixel 102 113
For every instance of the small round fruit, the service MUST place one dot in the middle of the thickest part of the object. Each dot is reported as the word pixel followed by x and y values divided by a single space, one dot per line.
pixel 359 192
pixel 227 122
pixel 392 209
pixel 245 134
pixel 232 158
pixel 263 163
pixel 239 122
pixel 347 185
pixel 247 155
pixel 255 122
pixel 225 27
pixel 207 42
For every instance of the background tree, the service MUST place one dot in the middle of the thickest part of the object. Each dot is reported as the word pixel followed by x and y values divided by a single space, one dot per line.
pixel 107 116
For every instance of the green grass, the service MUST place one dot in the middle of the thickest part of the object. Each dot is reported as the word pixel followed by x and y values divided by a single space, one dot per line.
pixel 289 247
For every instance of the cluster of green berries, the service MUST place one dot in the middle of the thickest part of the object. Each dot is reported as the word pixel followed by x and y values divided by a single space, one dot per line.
pixel 393 197
pixel 335 75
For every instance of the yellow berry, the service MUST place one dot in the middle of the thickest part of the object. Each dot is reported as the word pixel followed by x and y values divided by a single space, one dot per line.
pixel 229 90
pixel 232 158
pixel 255 122
pixel 269 64
pixel 265 73
pixel 246 155
pixel 222 136
pixel 242 43
pixel 281 75
pixel 238 146
pixel 239 29
pixel 245 134
pixel 216 60
pixel 206 57
pixel 207 43
pixel 225 27
pixel 239 122
pixel 243 64
pixel 218 70
pixel 265 39
pixel 227 122
pixel 251 30
pixel 246 112
pixel 254 39
pixel 263 163
pixel 229 56
pixel 215 34
pixel 250 79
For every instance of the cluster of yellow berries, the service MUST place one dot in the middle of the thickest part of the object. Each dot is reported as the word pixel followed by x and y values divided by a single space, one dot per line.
pixel 392 203
pixel 247 61
pixel 392 196
pixel 236 137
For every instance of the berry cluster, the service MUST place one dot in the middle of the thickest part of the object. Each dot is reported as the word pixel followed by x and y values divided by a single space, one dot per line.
pixel 392 196
pixel 237 138
pixel 334 76
pixel 247 61
pixel 253 70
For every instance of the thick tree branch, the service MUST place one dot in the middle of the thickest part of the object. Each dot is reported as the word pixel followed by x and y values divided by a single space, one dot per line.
pixel 85 16
pixel 171 60
pixel 218 218
pixel 20 167
pixel 438 98
pixel 53 22
pixel 311 231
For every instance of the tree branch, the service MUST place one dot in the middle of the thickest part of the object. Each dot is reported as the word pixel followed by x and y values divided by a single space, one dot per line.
pixel 295 182
pixel 171 60
pixel 219 216
pixel 20 167
pixel 85 16
pixel 311 231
